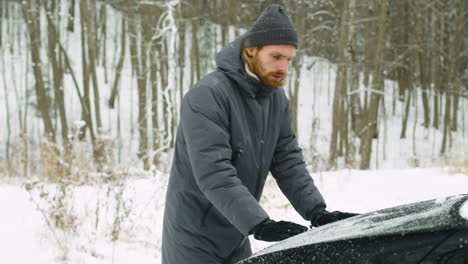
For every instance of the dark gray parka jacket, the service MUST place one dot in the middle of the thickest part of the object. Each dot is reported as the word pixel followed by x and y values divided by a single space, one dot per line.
pixel 233 130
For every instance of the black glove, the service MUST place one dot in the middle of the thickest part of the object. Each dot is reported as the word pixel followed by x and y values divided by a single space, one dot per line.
pixel 270 230
pixel 324 217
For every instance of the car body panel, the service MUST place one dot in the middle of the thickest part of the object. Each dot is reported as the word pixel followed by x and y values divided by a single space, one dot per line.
pixel 423 232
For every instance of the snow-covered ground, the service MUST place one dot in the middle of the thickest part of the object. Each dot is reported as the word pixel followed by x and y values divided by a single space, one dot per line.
pixel 130 210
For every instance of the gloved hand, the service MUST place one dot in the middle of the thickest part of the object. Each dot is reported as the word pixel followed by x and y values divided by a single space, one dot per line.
pixel 270 230
pixel 324 217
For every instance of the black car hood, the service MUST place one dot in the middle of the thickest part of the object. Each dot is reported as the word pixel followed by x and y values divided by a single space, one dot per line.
pixel 449 213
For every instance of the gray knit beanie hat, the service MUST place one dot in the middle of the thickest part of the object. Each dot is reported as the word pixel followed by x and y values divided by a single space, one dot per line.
pixel 273 27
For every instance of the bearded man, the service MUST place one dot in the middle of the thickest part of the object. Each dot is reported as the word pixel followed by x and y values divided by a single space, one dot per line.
pixel 235 127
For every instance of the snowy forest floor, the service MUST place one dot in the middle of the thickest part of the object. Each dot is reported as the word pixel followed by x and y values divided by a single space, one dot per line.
pixel 119 220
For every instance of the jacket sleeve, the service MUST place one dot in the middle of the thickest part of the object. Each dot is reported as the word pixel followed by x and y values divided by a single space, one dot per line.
pixel 289 170
pixel 205 128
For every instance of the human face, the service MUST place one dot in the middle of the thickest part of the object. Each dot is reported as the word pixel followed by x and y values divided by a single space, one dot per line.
pixel 271 63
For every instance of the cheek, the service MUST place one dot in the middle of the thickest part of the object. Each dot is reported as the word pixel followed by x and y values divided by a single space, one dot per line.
pixel 269 66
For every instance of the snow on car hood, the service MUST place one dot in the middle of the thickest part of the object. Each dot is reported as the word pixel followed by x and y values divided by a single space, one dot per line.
pixel 433 215
pixel 464 210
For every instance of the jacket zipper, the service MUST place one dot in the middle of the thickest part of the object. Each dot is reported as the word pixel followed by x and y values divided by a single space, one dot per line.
pixel 261 142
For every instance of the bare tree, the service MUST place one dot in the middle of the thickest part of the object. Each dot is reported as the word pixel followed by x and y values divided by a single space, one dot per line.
pixel 86 115
pixel 7 110
pixel 300 16
pixel 31 16
pixel 89 20
pixel 2 11
pixel 138 49
pixel 340 101
pixel 118 70
pixel 454 46
pixel 196 68
pixel 57 70
pixel 377 87
pixel 102 42
pixel 71 16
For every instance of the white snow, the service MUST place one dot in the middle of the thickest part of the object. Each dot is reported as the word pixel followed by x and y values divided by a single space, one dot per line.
pixel 464 210
pixel 23 226
pixel 441 200
pixel 23 234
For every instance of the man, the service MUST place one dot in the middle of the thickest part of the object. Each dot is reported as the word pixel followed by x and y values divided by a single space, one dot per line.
pixel 235 127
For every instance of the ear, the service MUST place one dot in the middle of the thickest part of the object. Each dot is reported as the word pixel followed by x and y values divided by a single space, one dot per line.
pixel 252 51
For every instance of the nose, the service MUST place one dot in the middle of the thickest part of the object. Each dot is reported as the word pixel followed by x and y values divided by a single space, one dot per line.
pixel 283 66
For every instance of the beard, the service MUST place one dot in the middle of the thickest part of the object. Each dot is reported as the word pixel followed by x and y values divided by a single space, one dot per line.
pixel 270 79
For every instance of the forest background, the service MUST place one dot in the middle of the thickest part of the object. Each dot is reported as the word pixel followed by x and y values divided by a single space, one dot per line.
pixel 91 86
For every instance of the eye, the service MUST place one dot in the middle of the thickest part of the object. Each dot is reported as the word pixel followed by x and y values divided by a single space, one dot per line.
pixel 276 57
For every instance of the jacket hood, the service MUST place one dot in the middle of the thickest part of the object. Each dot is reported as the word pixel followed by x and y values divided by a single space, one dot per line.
pixel 228 60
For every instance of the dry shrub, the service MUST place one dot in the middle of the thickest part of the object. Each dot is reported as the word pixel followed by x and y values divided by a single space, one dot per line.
pixel 78 162
pixel 55 167
pixel 55 203
pixel 459 166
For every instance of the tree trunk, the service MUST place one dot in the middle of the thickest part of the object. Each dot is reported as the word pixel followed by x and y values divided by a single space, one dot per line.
pixel 414 128
pixel 140 70
pixel 71 17
pixel 369 50
pixel 403 72
pixel 377 86
pixel 294 93
pixel 233 14
pixel 437 93
pixel 103 25
pixel 85 110
pixel 7 109
pixel 456 48
pixel 57 70
pixel 181 69
pixel 297 65
pixel 118 71
pixel 2 8
pixel 31 15
pixel 154 102
pixel 448 102
pixel 340 98
pixel 406 114
pixel 423 40
pixel 456 96
pixel 182 54
pixel 85 68
pixel 425 83
pixel 163 73
pixel 195 51
pixel 90 20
